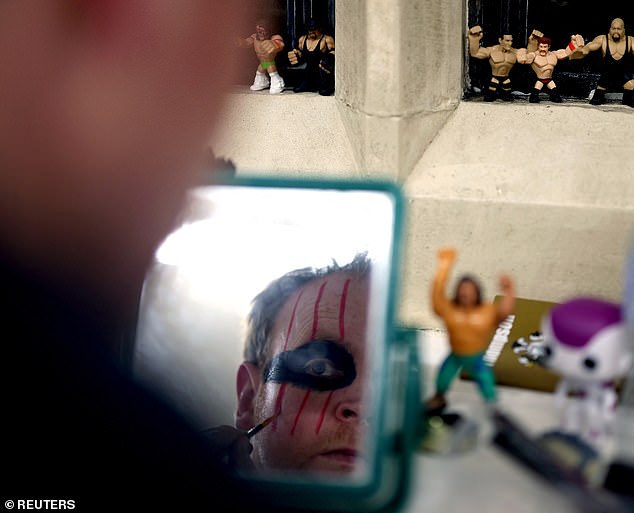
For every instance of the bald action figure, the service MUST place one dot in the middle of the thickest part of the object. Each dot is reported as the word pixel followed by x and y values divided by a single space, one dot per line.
pixel 617 71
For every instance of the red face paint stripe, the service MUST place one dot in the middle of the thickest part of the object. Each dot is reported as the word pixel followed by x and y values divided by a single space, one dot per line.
pixel 316 313
pixel 342 309
pixel 280 395
pixel 299 412
pixel 290 323
pixel 278 405
pixel 323 413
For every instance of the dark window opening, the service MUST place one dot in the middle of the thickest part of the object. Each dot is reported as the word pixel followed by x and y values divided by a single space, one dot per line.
pixel 558 20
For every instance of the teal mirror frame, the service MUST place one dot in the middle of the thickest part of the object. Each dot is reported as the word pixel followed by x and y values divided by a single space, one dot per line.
pixel 396 404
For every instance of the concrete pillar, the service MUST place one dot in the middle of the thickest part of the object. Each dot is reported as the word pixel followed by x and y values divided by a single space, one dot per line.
pixel 399 77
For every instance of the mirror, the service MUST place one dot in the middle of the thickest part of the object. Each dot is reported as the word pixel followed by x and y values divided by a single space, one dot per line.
pixel 302 274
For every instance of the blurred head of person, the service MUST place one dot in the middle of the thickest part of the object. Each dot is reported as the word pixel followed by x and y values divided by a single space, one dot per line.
pixel 107 108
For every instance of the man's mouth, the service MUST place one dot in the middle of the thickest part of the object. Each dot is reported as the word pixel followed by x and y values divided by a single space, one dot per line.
pixel 349 456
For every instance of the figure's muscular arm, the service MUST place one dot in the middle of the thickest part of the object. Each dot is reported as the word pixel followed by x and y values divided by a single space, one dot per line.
pixel 246 42
pixel 267 50
pixel 524 57
pixel 532 40
pixel 576 43
pixel 506 306
pixel 592 46
pixel 475 50
pixel 440 302
pixel 330 44
pixel 296 54
pixel 278 41
pixel 326 65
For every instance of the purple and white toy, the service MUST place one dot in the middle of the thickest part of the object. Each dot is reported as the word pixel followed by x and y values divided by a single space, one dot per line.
pixel 586 343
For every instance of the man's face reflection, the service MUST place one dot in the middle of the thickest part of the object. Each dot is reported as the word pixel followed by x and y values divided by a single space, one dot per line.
pixel 313 379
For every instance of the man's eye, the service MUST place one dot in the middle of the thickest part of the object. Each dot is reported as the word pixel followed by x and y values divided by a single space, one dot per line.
pixel 319 364
pixel 323 368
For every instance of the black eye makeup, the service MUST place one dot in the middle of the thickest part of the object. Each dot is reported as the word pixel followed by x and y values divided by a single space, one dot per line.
pixel 319 365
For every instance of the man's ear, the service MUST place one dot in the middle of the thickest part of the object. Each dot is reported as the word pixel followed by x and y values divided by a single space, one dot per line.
pixel 247 384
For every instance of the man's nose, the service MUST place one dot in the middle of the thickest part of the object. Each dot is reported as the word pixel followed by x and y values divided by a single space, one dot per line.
pixel 350 409
pixel 347 413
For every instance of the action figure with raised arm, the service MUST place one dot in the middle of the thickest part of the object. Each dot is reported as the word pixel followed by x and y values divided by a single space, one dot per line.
pixel 266 46
pixel 470 324
pixel 617 71
pixel 543 62
pixel 502 58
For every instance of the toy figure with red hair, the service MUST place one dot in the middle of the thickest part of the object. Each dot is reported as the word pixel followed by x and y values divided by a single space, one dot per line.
pixel 543 62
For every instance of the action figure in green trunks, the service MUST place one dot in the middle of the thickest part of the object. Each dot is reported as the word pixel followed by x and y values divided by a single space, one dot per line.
pixel 266 46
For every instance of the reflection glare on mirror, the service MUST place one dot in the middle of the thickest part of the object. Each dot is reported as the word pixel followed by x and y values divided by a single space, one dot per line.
pixel 308 381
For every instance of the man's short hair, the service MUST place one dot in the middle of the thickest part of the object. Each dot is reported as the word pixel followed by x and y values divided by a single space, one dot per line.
pixel 544 41
pixel 266 306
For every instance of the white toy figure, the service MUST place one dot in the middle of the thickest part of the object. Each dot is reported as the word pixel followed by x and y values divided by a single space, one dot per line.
pixel 585 341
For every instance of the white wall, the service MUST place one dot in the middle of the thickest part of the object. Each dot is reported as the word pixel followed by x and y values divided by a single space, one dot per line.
pixel 542 191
